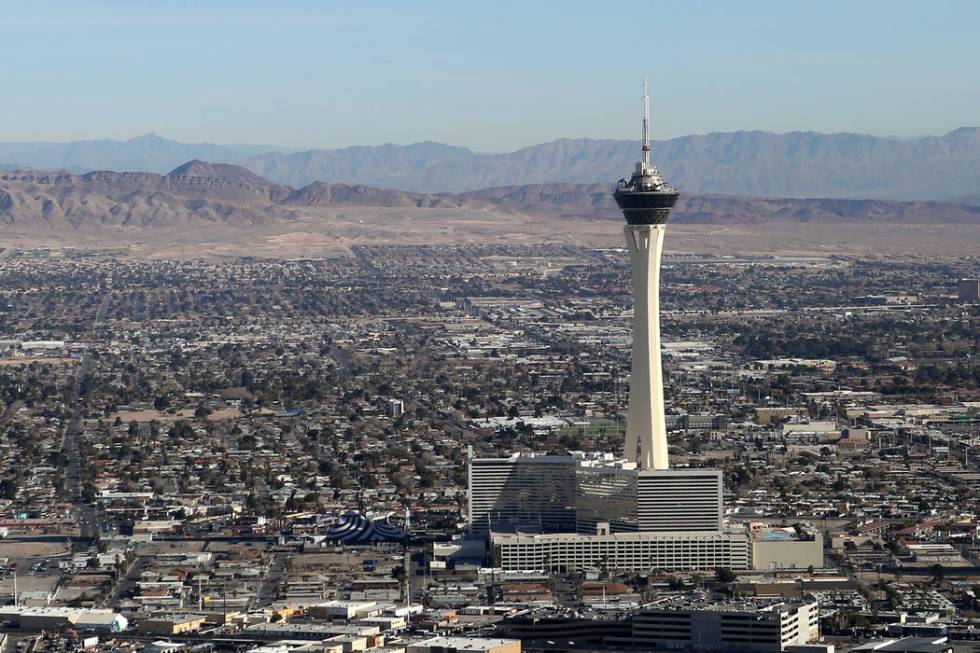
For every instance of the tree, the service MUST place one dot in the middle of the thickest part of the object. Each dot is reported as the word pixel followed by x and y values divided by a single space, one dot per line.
pixel 398 573
pixel 8 488
pixel 894 597
pixel 725 576
pixel 938 573
pixel 89 493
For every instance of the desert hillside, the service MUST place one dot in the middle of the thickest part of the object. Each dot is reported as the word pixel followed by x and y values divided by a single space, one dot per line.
pixel 208 209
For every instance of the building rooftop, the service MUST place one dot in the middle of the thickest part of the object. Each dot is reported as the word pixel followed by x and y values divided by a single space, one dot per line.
pixel 906 645
pixel 465 643
pixel 711 604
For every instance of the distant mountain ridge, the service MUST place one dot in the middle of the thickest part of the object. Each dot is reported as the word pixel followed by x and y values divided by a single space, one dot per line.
pixel 202 193
pixel 146 153
pixel 751 163
pixel 596 200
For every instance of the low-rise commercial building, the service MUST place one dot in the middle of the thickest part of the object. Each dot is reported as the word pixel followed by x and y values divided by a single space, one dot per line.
pixel 308 631
pixel 343 609
pixel 786 548
pixel 171 624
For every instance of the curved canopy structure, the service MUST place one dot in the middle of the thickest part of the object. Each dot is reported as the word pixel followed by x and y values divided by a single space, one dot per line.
pixel 353 528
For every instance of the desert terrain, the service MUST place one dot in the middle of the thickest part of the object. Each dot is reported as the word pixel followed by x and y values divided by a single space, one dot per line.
pixel 329 234
pixel 217 211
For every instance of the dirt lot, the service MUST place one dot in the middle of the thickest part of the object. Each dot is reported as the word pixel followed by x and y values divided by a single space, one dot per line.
pixel 186 414
pixel 21 362
pixel 26 550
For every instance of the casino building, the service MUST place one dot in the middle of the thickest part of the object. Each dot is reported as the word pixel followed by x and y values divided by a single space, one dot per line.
pixel 632 513
pixel 582 511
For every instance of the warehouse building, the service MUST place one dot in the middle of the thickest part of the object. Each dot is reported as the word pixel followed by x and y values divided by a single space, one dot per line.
pixel 47 618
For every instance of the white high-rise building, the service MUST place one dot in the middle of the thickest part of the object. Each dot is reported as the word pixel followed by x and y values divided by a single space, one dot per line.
pixel 535 493
pixel 649 500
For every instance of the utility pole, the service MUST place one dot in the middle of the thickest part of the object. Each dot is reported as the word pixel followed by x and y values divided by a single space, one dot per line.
pixel 405 582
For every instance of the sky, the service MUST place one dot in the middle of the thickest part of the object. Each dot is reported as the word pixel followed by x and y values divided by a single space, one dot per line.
pixel 492 75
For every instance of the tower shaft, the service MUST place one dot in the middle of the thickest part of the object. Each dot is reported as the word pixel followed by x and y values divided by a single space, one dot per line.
pixel 646 432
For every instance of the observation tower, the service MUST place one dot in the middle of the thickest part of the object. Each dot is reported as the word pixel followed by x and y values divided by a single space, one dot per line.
pixel 646 200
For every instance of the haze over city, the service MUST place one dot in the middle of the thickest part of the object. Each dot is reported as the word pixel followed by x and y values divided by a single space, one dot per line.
pixel 504 327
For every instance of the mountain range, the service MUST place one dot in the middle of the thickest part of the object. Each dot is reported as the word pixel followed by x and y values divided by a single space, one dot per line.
pixel 199 192
pixel 219 210
pixel 751 163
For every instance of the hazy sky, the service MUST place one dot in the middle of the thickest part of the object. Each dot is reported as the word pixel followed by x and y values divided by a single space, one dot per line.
pixel 491 75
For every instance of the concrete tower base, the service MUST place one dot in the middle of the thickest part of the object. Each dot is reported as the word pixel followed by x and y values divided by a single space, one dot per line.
pixel 646 433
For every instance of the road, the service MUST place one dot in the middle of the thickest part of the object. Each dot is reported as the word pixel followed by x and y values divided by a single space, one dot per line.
pixel 87 512
pixel 342 358
pixel 126 583
pixel 266 593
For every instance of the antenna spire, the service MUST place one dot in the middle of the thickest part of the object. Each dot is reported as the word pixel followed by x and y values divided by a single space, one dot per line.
pixel 646 124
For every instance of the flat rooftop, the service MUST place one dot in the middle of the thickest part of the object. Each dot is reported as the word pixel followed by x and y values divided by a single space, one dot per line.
pixel 906 645
pixel 465 643
pixel 710 604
